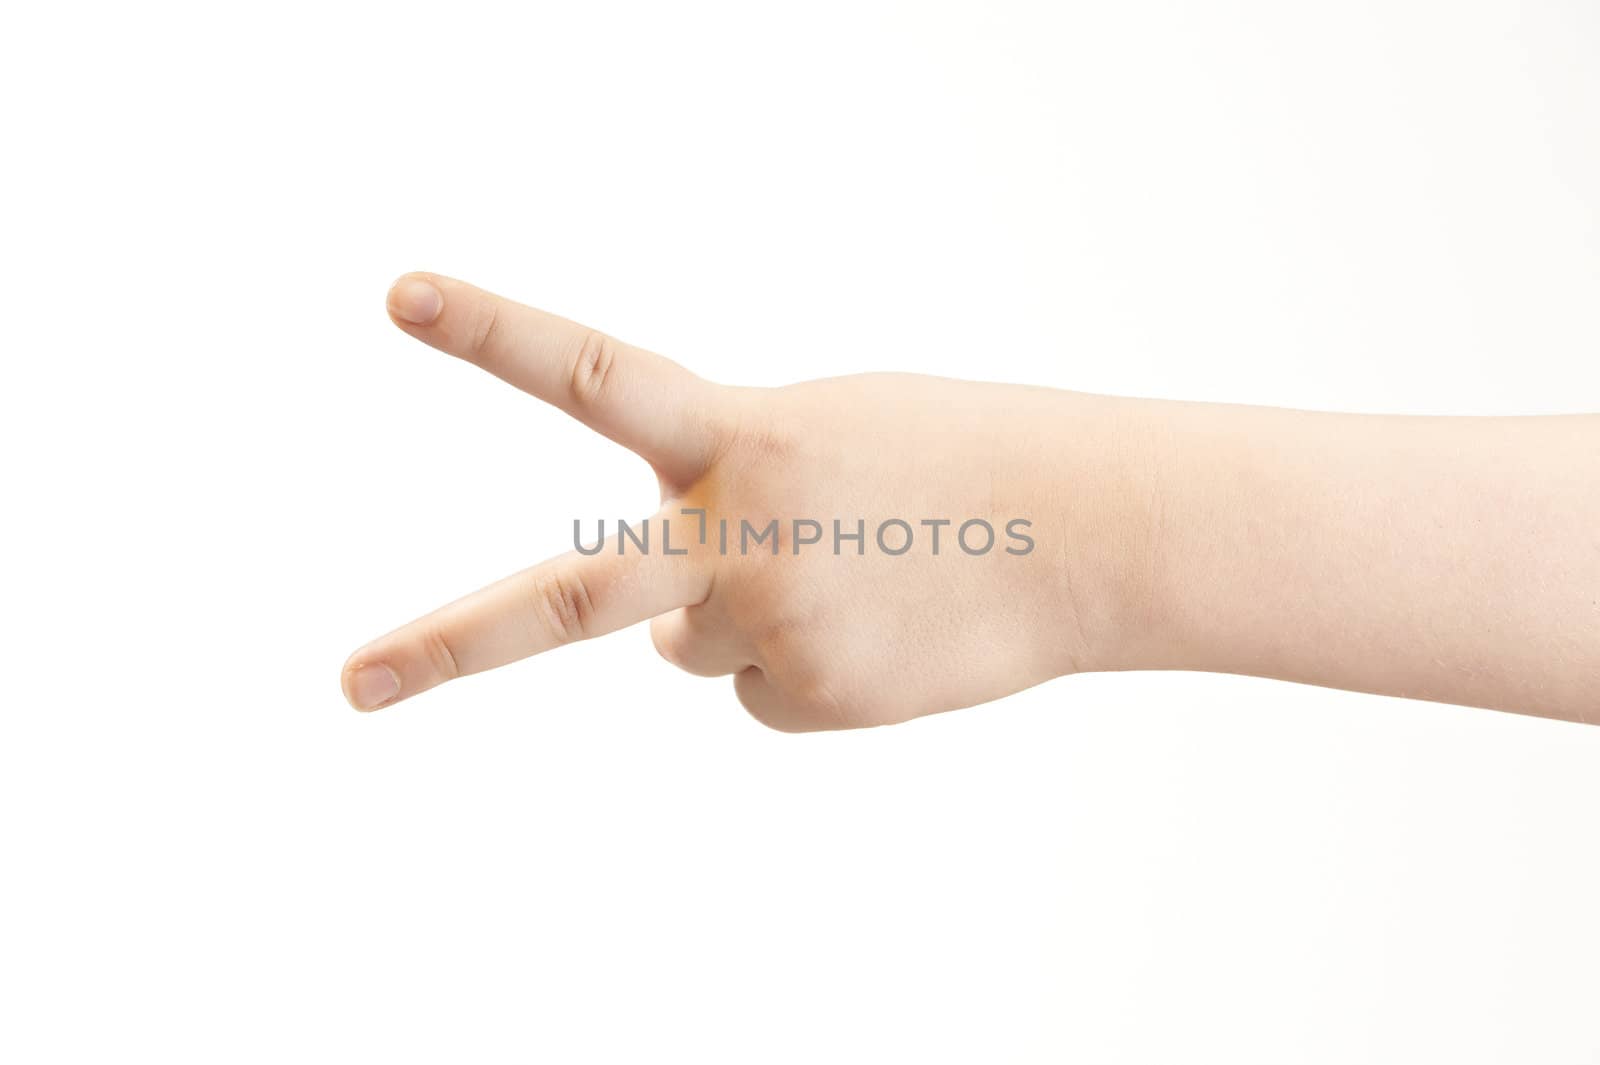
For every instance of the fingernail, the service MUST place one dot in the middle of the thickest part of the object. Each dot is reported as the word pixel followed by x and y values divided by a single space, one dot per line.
pixel 415 301
pixel 372 686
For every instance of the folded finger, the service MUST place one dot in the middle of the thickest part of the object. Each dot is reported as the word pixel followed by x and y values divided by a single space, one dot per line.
pixel 687 640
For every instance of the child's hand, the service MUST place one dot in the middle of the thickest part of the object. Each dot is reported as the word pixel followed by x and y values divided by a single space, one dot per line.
pixel 843 631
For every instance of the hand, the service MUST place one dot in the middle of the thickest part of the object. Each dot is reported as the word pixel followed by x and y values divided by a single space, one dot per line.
pixel 813 638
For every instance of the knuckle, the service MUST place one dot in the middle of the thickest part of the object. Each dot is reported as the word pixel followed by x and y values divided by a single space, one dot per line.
pixel 763 703
pixel 779 710
pixel 775 719
pixel 771 442
pixel 484 339
pixel 592 364
pixel 816 696
pixel 563 604
pixel 810 688
pixel 441 657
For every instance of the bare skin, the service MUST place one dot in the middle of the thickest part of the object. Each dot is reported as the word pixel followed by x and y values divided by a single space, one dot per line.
pixel 1452 559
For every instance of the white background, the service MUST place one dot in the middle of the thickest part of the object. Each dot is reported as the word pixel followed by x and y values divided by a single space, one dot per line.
pixel 224 470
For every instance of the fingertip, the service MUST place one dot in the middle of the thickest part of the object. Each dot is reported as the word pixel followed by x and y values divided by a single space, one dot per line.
pixel 415 300
pixel 370 686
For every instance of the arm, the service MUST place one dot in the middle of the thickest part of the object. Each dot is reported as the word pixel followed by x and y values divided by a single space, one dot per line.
pixel 925 544
pixel 1454 559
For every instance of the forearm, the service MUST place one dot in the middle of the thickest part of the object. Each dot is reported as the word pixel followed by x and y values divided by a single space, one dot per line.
pixel 1454 559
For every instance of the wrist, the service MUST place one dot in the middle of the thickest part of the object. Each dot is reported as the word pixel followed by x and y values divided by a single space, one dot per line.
pixel 1096 470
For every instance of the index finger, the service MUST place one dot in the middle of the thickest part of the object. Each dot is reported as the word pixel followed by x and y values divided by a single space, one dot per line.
pixel 646 403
